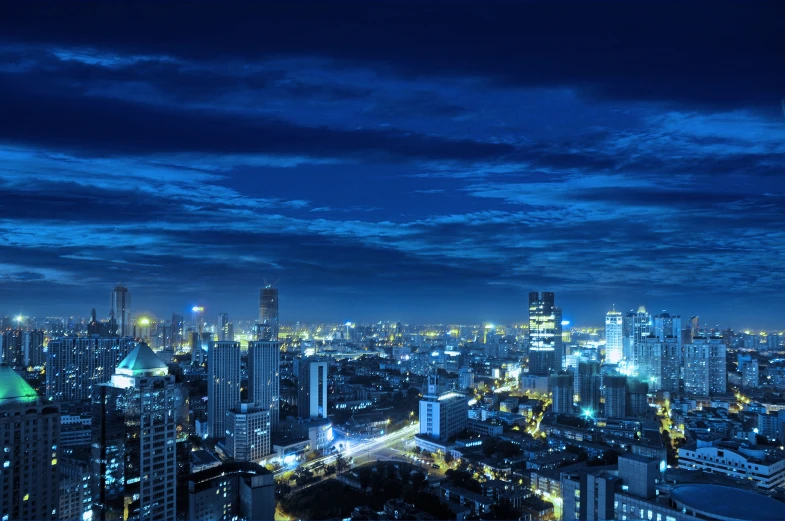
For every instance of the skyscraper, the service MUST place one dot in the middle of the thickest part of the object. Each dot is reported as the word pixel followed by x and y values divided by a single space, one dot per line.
pixel 223 385
pixel 134 441
pixel 225 331
pixel 312 384
pixel 76 364
pixel 614 346
pixel 562 391
pixel 29 434
pixel 121 311
pixel 247 432
pixel 546 353
pixel 268 313
pixel 178 330
pixel 264 360
pixel 615 394
pixel 696 368
pixel 588 384
pixel 637 326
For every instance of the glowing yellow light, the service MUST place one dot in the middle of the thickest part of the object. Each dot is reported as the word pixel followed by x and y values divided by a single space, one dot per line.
pixel 27 496
pixel 144 321
pixel 54 461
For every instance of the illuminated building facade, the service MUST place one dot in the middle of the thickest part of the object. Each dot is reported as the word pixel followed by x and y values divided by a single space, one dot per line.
pixel 247 432
pixel 29 435
pixel 134 441
pixel 614 345
pixel 442 415
pixel 546 352
pixel 76 364
pixel 223 385
pixel 268 314
pixel 232 491
pixel 615 394
pixel 562 392
pixel 637 327
pixel 264 378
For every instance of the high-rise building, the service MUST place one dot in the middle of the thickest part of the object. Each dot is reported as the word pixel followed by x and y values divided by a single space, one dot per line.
pixel 76 364
pixel 197 319
pixel 696 368
pixel 442 415
pixel 223 385
pixel 134 441
pixel 247 432
pixel 614 345
pixel 750 376
pixel 12 353
pixel 225 331
pixel 264 360
pixel 615 394
pixel 178 330
pixel 637 327
pixel 588 386
pixel 268 313
pixel 76 500
pixel 312 385
pixel 232 491
pixel 562 391
pixel 29 435
pixel 718 375
pixel 637 398
pixel 546 352
pixel 465 378
pixel 671 365
pixel 121 311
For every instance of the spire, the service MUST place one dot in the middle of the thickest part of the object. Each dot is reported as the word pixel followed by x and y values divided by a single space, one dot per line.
pixel 13 388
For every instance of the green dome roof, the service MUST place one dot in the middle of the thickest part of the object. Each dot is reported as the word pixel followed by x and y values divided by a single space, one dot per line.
pixel 13 388
pixel 142 361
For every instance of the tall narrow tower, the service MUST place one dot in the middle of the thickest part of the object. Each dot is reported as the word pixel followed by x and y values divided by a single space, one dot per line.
pixel 614 345
pixel 268 313
pixel 264 359
pixel 223 384
pixel 121 310
pixel 546 353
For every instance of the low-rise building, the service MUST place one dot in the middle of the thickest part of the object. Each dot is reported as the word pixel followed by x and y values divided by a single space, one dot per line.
pixel 738 461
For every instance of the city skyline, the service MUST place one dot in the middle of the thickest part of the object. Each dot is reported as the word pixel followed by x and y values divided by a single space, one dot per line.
pixel 397 168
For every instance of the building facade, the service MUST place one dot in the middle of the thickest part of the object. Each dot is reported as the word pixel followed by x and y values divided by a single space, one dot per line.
pixel 442 415
pixel 223 385
pixel 614 345
pixel 546 352
pixel 264 378
pixel 312 387
pixel 248 432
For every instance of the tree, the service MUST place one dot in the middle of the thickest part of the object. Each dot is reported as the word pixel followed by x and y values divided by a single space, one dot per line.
pixel 448 458
pixel 340 463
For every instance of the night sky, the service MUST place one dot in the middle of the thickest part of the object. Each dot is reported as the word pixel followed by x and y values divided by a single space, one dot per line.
pixel 393 161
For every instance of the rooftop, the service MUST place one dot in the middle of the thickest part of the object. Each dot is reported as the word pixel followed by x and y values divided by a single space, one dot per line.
pixel 728 502
pixel 142 361
pixel 13 388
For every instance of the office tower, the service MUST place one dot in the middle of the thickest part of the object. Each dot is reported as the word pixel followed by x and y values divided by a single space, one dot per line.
pixel 637 398
pixel 29 434
pixel 442 415
pixel 264 360
pixel 225 331
pixel 197 319
pixel 696 368
pixel 121 311
pixel 134 441
pixel 718 375
pixel 639 474
pixel 670 374
pixel 33 347
pixel 588 384
pixel 750 378
pixel 237 491
pixel 546 353
pixel 667 326
pixel 561 388
pixel 312 384
pixel 76 364
pixel 223 385
pixel 76 500
pixel 650 361
pixel 268 313
pixel 93 327
pixel 11 343
pixel 465 378
pixel 614 345
pixel 637 326
pixel 247 432
pixel 615 394
pixel 178 330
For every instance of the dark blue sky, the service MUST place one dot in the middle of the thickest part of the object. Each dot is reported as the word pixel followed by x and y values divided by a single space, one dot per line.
pixel 403 161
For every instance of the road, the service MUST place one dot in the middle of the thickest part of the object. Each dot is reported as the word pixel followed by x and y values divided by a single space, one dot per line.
pixel 363 450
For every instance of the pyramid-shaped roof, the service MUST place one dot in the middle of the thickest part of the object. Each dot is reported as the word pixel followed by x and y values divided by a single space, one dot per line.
pixel 13 388
pixel 142 361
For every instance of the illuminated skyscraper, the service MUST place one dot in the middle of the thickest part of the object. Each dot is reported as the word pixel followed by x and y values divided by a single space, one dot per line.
pixel 134 441
pixel 29 434
pixel 614 345
pixel 223 385
pixel 312 383
pixel 268 313
pixel 615 395
pixel 225 331
pixel 546 352
pixel 264 360
pixel 562 388
pixel 121 311
pixel 637 326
